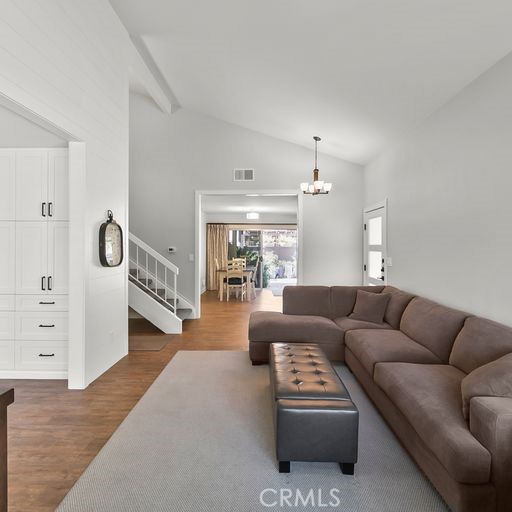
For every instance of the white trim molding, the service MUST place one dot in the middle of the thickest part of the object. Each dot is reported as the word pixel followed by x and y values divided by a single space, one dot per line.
pixel 236 192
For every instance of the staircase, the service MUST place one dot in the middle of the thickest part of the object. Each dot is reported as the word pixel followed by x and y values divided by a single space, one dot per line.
pixel 152 288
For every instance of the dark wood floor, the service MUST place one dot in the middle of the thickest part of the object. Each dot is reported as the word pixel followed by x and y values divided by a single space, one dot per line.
pixel 54 433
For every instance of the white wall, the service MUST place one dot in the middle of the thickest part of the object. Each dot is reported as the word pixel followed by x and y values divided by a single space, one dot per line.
pixel 18 132
pixel 66 62
pixel 172 156
pixel 449 184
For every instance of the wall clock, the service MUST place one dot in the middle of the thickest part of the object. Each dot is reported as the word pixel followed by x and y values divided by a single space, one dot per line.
pixel 111 242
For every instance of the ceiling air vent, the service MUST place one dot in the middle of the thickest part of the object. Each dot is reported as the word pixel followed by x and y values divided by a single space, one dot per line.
pixel 243 175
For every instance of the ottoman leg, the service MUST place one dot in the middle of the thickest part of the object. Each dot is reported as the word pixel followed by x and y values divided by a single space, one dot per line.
pixel 284 466
pixel 347 468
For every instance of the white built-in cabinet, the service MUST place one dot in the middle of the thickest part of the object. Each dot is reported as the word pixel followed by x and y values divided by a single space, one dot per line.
pixel 34 247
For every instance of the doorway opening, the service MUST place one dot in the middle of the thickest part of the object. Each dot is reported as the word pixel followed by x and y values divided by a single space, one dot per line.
pixel 261 227
pixel 375 245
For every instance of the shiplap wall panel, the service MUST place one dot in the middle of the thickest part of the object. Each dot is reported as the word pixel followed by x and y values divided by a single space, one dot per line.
pixel 67 61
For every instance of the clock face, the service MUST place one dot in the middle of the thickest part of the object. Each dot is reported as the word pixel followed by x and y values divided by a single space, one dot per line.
pixel 111 244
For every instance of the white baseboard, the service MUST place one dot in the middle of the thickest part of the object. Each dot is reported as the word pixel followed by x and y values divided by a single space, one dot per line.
pixel 33 374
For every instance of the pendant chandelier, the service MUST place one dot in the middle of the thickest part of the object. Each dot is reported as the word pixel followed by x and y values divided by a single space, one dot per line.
pixel 318 186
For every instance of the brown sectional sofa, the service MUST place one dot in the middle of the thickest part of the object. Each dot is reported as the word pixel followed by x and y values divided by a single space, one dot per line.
pixel 441 378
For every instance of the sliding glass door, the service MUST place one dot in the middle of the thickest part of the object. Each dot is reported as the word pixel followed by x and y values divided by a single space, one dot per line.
pixel 273 249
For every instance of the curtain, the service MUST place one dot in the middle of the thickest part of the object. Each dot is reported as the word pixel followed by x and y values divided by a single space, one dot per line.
pixel 216 247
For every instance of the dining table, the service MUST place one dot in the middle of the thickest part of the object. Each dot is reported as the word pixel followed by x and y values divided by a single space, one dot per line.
pixel 222 274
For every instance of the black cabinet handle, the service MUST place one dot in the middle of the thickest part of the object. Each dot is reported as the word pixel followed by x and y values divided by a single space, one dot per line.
pixel 50 209
pixel 43 283
pixel 43 209
pixel 42 325
pixel 48 303
pixel 50 279
pixel 46 355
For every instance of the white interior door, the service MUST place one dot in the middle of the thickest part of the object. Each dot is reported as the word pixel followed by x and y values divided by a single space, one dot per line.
pixel 32 257
pixel 31 184
pixel 58 235
pixel 374 229
pixel 58 184
pixel 7 257
pixel 7 187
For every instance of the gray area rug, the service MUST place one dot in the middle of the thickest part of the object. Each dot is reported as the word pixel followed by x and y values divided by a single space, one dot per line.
pixel 201 439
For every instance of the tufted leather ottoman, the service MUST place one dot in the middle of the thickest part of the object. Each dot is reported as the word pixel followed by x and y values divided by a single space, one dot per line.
pixel 314 417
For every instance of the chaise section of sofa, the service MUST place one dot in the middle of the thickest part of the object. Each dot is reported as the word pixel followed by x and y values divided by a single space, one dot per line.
pixel 319 314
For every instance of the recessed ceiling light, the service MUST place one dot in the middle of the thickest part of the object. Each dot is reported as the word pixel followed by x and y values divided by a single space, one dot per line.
pixel 253 216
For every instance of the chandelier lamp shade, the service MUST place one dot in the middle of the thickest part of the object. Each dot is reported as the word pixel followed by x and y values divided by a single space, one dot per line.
pixel 318 186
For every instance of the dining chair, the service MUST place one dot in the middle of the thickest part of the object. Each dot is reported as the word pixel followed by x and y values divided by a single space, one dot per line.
pixel 243 259
pixel 235 279
pixel 252 291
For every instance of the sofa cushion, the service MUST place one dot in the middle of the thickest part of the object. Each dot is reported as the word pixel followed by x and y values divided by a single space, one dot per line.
pixel 343 298
pixel 432 325
pixel 429 397
pixel 397 303
pixel 271 326
pixel 307 300
pixel 370 307
pixel 348 324
pixel 371 347
pixel 479 342
pixel 491 379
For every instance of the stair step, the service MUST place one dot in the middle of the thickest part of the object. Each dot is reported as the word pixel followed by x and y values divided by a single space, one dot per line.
pixel 169 303
pixel 184 313
pixel 147 282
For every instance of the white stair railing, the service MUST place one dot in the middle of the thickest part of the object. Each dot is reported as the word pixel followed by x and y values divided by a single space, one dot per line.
pixel 150 265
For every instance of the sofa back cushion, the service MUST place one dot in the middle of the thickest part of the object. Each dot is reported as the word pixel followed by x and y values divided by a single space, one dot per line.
pixel 396 306
pixel 370 307
pixel 307 300
pixel 343 298
pixel 432 325
pixel 491 379
pixel 479 342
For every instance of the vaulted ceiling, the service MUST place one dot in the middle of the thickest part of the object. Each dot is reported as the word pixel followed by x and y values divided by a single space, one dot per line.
pixel 356 72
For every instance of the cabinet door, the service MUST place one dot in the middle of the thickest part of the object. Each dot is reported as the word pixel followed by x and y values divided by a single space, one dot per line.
pixel 32 257
pixel 6 325
pixel 7 355
pixel 31 184
pixel 7 257
pixel 58 247
pixel 7 185
pixel 58 192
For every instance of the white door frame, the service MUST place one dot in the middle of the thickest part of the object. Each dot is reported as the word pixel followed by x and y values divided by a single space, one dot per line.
pixel 77 238
pixel 199 219
pixel 382 205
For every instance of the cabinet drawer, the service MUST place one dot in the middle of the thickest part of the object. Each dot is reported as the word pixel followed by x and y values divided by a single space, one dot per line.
pixel 41 303
pixel 6 325
pixel 41 326
pixel 44 355
pixel 7 355
pixel 7 302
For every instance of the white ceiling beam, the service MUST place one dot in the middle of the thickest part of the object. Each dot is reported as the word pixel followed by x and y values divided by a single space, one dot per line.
pixel 141 70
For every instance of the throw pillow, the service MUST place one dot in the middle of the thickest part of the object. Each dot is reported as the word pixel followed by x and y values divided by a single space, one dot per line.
pixel 370 307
